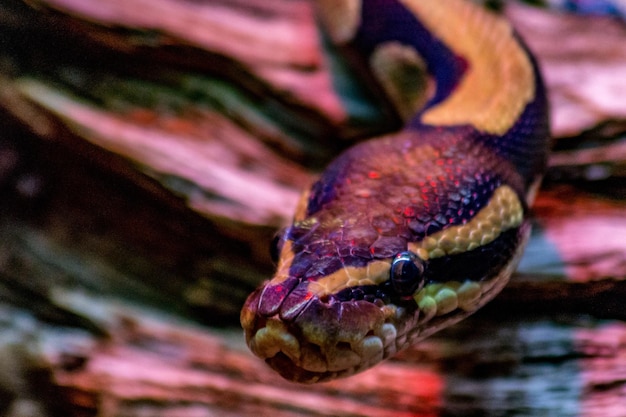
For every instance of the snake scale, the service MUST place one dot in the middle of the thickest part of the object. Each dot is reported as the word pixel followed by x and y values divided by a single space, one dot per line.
pixel 408 233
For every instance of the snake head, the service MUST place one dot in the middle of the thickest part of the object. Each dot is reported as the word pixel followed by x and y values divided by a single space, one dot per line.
pixel 361 275
pixel 322 317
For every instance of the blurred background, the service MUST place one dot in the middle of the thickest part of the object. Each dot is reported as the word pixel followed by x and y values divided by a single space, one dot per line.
pixel 149 150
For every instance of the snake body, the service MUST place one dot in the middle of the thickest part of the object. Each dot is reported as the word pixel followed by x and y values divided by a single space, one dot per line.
pixel 408 233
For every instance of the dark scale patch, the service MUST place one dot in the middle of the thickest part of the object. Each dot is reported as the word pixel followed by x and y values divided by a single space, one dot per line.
pixel 376 293
pixel 388 20
pixel 326 188
pixel 482 263
pixel 371 293
pixel 526 144
pixel 359 252
pixel 302 231
pixel 301 264
pixel 321 267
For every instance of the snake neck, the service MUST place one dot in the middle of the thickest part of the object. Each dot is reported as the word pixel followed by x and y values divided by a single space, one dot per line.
pixel 482 73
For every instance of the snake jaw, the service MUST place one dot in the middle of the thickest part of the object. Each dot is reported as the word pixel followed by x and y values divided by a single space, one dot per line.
pixel 326 340
pixel 331 340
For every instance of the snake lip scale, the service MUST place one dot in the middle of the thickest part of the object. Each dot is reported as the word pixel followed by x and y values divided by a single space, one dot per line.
pixel 408 233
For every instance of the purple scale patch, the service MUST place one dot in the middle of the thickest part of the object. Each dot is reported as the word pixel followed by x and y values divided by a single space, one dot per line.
pixel 384 225
pixel 361 252
pixel 295 302
pixel 321 267
pixel 388 247
pixel 273 295
pixel 388 20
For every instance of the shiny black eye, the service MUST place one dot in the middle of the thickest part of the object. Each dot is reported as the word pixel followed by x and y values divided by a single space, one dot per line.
pixel 407 273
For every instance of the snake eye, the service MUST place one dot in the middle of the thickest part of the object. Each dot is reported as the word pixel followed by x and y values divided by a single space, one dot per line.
pixel 407 273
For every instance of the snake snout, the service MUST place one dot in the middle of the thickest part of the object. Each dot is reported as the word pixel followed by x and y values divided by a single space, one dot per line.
pixel 326 340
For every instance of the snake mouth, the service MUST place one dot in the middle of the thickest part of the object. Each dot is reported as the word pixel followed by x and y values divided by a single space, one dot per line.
pixel 326 340
pixel 307 362
pixel 332 339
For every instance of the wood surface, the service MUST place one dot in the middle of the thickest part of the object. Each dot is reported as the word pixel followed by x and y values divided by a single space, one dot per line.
pixel 150 149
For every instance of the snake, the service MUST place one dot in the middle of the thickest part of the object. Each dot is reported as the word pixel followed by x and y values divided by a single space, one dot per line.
pixel 405 234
